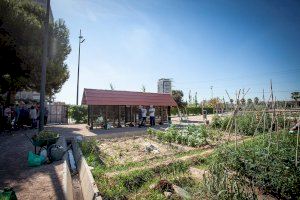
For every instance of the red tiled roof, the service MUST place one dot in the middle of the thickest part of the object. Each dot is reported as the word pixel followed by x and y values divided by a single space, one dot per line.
pixel 114 97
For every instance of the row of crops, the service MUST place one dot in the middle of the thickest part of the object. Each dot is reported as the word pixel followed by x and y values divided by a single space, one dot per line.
pixel 253 122
pixel 267 163
pixel 192 135
pixel 258 164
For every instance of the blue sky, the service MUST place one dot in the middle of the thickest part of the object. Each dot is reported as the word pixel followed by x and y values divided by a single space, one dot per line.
pixel 225 44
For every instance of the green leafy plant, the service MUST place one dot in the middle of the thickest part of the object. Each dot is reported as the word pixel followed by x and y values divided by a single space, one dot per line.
pixel 46 134
pixel 192 135
pixel 78 113
pixel 267 167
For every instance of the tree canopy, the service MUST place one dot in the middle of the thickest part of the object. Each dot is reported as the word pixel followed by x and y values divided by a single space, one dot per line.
pixel 178 97
pixel 21 33
pixel 256 100
pixel 295 96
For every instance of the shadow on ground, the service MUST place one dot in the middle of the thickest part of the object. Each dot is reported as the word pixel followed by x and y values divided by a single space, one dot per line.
pixel 44 182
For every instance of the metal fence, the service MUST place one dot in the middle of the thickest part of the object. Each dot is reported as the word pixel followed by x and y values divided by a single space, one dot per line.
pixel 57 114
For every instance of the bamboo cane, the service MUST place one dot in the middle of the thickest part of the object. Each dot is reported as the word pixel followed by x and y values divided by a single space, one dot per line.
pixel 273 108
pixel 235 131
pixel 297 147
pixel 260 120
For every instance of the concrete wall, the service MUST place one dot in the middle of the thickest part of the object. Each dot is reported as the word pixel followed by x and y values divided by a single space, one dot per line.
pixel 67 179
pixel 88 184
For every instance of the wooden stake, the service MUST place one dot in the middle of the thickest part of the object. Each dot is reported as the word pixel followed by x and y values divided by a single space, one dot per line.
pixel 235 131
pixel 297 147
pixel 260 120
pixel 119 117
pixel 273 118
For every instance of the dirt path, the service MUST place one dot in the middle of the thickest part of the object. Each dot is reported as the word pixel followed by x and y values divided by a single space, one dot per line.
pixel 204 154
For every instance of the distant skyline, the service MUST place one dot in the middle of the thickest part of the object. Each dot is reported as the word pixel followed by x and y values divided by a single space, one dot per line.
pixel 225 44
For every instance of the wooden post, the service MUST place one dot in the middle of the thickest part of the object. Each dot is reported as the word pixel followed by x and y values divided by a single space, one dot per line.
pixel 119 117
pixel 126 115
pixel 131 116
pixel 273 117
pixel 169 115
pixel 89 115
pixel 92 118
pixel 297 147
pixel 235 131
pixel 105 117
pixel 161 115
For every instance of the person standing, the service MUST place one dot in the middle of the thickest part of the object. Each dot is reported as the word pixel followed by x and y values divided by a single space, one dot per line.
pixel 22 116
pixel 7 117
pixel 33 116
pixel 17 116
pixel 152 115
pixel 144 115
pixel 46 116
pixel 1 118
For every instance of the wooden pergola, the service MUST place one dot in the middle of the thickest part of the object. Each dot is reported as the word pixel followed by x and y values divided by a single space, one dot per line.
pixel 120 108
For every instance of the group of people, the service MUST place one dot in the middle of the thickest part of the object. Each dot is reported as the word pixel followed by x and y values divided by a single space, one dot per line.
pixel 143 116
pixel 20 115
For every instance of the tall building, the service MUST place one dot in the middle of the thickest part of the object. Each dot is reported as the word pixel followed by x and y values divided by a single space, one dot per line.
pixel 43 3
pixel 164 85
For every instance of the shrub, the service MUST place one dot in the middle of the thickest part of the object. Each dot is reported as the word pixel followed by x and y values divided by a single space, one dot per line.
pixel 216 121
pixel 78 113
pixel 192 135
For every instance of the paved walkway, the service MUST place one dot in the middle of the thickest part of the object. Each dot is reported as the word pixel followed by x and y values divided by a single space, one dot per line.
pixel 43 182
pixel 72 130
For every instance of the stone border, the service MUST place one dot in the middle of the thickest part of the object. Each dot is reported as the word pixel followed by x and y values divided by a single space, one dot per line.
pixel 88 185
pixel 67 179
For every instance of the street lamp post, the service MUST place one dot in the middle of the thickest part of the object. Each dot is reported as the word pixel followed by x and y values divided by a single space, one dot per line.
pixel 44 66
pixel 81 40
pixel 212 93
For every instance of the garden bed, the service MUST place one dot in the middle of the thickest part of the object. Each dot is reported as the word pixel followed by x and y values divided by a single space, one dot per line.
pixel 183 164
pixel 136 149
pixel 125 168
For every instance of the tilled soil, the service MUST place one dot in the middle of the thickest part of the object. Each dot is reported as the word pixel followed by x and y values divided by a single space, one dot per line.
pixel 133 149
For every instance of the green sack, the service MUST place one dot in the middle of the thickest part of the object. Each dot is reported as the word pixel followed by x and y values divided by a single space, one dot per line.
pixel 8 194
pixel 35 160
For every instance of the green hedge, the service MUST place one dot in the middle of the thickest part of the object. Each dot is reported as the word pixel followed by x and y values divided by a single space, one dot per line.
pixel 78 113
pixel 192 110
